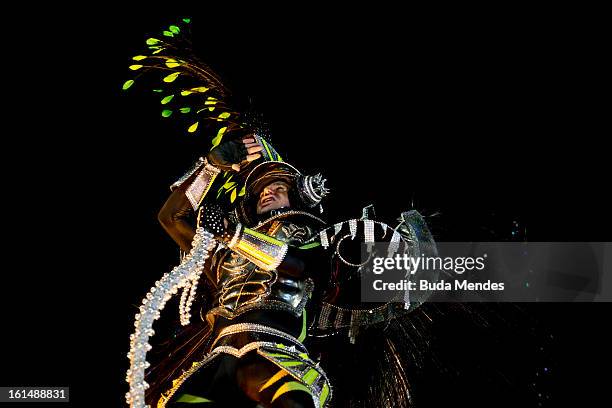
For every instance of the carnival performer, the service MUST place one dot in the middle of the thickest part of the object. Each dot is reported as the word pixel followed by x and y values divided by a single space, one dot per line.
pixel 265 276
pixel 277 289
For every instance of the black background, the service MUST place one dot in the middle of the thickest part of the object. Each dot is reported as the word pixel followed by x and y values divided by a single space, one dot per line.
pixel 486 116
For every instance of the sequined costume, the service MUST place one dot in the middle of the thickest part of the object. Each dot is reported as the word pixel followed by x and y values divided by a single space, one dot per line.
pixel 272 287
pixel 264 280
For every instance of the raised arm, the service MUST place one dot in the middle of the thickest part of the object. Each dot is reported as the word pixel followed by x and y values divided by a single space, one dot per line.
pixel 174 218
pixel 188 194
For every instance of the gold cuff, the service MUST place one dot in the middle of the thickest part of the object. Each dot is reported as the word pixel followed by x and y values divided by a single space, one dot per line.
pixel 264 251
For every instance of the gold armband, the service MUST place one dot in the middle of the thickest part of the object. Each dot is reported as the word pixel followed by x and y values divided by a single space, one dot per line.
pixel 264 251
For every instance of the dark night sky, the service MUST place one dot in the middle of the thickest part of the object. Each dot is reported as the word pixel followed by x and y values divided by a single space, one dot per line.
pixel 485 120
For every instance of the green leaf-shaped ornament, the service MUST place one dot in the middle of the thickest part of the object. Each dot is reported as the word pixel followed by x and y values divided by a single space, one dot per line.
pixel 185 110
pixel 171 63
pixel 166 113
pixel 167 99
pixel 139 57
pixel 217 139
pixel 127 84
pixel 168 34
pixel 200 89
pixel 174 29
pixel 187 20
pixel 152 41
pixel 233 196
pixel 171 77
pixel 192 399
pixel 193 127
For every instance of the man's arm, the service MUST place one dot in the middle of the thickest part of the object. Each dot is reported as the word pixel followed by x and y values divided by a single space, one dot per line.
pixel 229 156
pixel 174 219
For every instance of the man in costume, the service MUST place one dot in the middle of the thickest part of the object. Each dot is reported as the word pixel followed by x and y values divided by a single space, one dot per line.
pixel 274 277
pixel 264 274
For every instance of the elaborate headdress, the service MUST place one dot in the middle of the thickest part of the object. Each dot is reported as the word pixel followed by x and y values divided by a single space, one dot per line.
pixel 191 93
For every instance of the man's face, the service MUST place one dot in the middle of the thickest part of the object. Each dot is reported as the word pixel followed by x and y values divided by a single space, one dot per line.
pixel 274 195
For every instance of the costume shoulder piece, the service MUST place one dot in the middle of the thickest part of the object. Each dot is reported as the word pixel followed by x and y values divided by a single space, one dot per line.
pixel 346 311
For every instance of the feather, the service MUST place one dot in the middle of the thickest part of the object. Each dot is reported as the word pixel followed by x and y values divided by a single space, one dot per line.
pixel 170 67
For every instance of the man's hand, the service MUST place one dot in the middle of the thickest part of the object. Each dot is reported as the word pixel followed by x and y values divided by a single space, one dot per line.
pixel 253 148
pixel 234 154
